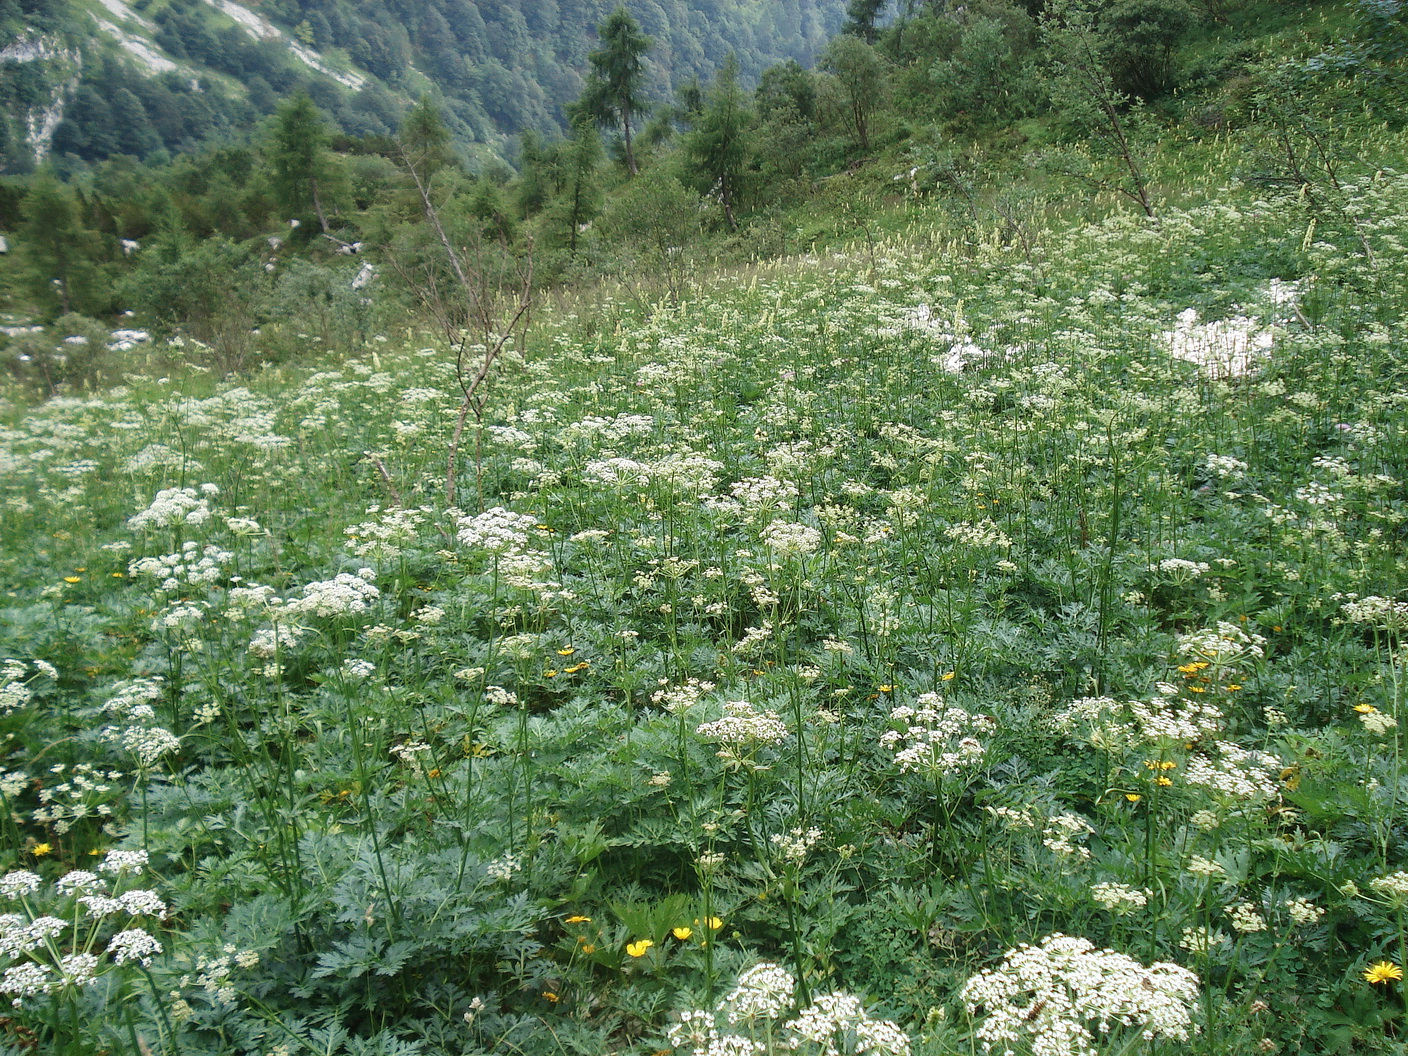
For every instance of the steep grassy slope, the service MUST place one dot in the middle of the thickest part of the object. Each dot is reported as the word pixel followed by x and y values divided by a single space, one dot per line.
pixel 867 615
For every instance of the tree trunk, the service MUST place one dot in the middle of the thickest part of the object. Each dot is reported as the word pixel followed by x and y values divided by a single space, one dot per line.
pixel 318 207
pixel 626 135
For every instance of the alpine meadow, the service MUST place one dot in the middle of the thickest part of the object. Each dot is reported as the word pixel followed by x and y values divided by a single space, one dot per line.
pixel 703 528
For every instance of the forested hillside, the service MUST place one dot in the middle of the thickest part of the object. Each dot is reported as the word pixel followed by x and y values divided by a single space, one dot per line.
pixel 86 80
pixel 900 556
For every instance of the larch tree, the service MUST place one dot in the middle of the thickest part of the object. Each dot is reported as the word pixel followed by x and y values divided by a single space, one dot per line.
pixel 613 96
pixel 299 158
pixel 581 194
pixel 861 16
pixel 719 144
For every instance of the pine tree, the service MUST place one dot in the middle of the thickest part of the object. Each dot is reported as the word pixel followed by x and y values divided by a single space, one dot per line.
pixel 612 97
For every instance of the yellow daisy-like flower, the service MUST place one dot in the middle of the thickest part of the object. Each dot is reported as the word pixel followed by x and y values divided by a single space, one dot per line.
pixel 41 849
pixel 1133 797
pixel 638 948
pixel 714 923
pixel 566 652
pixel 579 919
pixel 948 677
pixel 1365 709
pixel 887 688
pixel 682 932
pixel 73 579
pixel 1382 972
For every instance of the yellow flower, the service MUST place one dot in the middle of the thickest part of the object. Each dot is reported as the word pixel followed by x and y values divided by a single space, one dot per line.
pixel 566 652
pixel 948 677
pixel 714 923
pixel 682 932
pixel 579 919
pixel 1162 782
pixel 550 996
pixel 41 849
pixel 887 688
pixel 1133 797
pixel 589 948
pixel 638 948
pixel 73 579
pixel 1365 709
pixel 1382 972
pixel 550 673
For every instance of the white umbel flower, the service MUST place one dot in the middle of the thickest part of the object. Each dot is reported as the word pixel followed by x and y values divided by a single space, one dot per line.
pixel 1056 997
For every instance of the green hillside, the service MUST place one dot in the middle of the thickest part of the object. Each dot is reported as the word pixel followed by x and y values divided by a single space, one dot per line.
pixel 166 75
pixel 906 560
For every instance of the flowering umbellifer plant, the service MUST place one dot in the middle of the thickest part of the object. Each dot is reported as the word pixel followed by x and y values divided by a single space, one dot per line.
pixel 1053 999
pixel 61 939
pixel 754 1019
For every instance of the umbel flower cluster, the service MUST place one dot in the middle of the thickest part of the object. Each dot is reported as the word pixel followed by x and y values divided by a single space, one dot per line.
pixel 760 1005
pixel 136 729
pixel 936 737
pixel 743 725
pixel 176 506
pixel 73 933
pixel 1056 997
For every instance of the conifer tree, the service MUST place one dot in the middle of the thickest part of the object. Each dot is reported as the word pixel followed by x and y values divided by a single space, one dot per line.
pixel 861 16
pixel 718 144
pixel 58 250
pixel 581 195
pixel 424 139
pixel 613 95
pixel 299 159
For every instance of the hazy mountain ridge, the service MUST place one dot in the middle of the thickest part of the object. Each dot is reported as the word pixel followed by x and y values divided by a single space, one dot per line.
pixel 86 79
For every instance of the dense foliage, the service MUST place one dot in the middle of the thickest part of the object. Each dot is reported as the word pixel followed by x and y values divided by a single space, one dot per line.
pixel 914 568
pixel 871 616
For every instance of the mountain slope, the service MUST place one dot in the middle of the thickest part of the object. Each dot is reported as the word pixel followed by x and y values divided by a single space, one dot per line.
pixel 92 78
